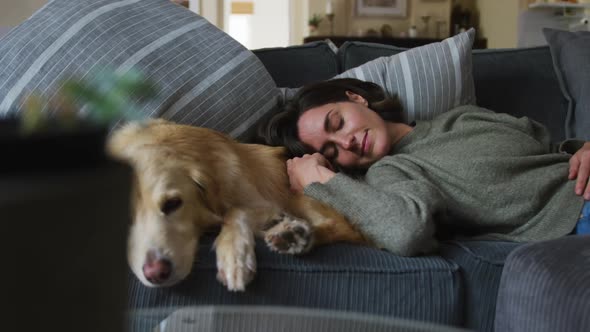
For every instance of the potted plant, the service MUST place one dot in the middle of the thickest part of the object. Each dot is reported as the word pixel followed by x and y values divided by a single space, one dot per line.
pixel 314 23
pixel 70 130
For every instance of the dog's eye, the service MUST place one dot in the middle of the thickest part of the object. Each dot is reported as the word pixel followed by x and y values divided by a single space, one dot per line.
pixel 170 205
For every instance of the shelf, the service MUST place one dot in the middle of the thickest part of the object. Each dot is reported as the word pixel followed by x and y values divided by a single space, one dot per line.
pixel 479 43
pixel 559 5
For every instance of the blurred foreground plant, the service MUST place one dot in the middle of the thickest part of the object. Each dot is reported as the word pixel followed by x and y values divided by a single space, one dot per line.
pixel 100 101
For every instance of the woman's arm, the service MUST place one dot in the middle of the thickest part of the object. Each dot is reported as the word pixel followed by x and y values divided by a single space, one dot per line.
pixel 307 169
pixel 395 212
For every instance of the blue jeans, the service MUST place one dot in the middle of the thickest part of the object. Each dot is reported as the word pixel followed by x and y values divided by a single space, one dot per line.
pixel 583 226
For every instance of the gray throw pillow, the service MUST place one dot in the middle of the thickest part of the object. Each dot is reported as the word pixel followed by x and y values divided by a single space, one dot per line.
pixel 429 79
pixel 571 61
pixel 204 77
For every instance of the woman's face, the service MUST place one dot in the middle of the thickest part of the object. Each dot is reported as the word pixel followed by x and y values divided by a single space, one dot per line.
pixel 346 133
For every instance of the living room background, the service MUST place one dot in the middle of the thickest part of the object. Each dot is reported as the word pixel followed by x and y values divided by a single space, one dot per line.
pixel 498 19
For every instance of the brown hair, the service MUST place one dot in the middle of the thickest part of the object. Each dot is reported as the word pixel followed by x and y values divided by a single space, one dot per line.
pixel 281 129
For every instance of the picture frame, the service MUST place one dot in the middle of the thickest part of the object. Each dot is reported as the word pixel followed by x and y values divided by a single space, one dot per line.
pixel 374 8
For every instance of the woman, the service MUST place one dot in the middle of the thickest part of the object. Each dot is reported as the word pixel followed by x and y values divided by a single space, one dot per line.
pixel 470 170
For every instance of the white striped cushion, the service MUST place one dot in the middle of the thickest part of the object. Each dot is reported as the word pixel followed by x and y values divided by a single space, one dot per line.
pixel 204 76
pixel 429 79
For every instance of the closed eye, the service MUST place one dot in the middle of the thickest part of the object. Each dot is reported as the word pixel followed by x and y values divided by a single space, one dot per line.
pixel 170 205
pixel 336 122
pixel 329 151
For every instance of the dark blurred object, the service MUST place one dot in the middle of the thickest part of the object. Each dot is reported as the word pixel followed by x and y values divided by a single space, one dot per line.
pixel 285 319
pixel 462 19
pixel 386 31
pixel 53 148
pixel 64 208
pixel 372 33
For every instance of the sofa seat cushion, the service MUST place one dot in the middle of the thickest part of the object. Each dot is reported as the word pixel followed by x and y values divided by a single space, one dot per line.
pixel 481 264
pixel 545 286
pixel 340 277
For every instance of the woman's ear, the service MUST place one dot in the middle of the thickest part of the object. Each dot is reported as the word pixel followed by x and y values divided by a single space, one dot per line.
pixel 357 98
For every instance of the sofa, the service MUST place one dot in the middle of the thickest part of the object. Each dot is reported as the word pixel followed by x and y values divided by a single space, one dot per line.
pixel 458 286
pixel 210 72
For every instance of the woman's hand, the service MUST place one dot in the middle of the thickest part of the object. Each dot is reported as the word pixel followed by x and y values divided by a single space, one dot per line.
pixel 308 169
pixel 580 170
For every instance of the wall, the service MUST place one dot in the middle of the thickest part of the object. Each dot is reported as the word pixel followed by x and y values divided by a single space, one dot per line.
pixel 499 22
pixel 346 22
pixel 212 11
pixel 298 21
pixel 13 12
pixel 498 19
pixel 266 23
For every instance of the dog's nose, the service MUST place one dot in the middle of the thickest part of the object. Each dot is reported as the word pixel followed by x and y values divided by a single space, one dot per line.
pixel 157 271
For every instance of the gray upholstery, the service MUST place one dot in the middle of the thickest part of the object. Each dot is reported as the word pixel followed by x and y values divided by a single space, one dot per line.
pixel 570 52
pixel 276 318
pixel 339 277
pixel 481 264
pixel 520 82
pixel 515 81
pixel 291 67
pixel 428 80
pixel 545 286
pixel 202 75
pixel 458 287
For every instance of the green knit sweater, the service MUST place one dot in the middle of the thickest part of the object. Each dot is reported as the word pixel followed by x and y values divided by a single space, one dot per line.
pixel 470 169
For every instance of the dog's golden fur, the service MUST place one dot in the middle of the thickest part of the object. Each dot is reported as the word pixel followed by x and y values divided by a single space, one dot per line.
pixel 188 179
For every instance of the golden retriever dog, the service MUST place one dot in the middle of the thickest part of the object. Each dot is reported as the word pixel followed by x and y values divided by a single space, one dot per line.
pixel 188 179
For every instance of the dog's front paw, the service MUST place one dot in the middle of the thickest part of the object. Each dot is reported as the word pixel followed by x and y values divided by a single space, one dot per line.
pixel 236 260
pixel 236 268
pixel 289 235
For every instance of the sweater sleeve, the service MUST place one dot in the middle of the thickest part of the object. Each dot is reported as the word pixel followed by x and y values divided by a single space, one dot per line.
pixel 571 146
pixel 396 213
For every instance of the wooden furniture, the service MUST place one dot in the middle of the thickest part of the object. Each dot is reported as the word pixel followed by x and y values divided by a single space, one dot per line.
pixel 479 43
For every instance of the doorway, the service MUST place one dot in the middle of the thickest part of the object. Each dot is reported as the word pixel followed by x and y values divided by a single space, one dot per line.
pixel 258 23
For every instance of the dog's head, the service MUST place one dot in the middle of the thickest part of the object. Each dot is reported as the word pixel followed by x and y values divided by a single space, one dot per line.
pixel 173 200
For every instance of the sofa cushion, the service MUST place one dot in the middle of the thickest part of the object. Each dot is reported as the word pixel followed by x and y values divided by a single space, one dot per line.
pixel 514 81
pixel 353 54
pixel 204 77
pixel 571 51
pixel 295 66
pixel 340 277
pixel 428 80
pixel 545 287
pixel 520 82
pixel 481 264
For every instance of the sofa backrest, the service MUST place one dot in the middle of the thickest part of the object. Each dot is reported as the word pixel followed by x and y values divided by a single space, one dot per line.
pixel 294 66
pixel 520 82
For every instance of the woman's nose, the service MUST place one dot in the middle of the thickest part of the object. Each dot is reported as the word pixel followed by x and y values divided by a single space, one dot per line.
pixel 345 141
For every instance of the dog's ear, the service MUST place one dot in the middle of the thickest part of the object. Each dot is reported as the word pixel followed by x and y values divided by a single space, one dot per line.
pixel 123 142
pixel 208 190
pixel 120 143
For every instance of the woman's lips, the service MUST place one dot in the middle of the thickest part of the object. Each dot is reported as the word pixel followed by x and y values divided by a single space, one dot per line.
pixel 365 146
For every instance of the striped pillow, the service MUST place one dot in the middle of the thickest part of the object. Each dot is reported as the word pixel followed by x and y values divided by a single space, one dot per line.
pixel 204 77
pixel 429 80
